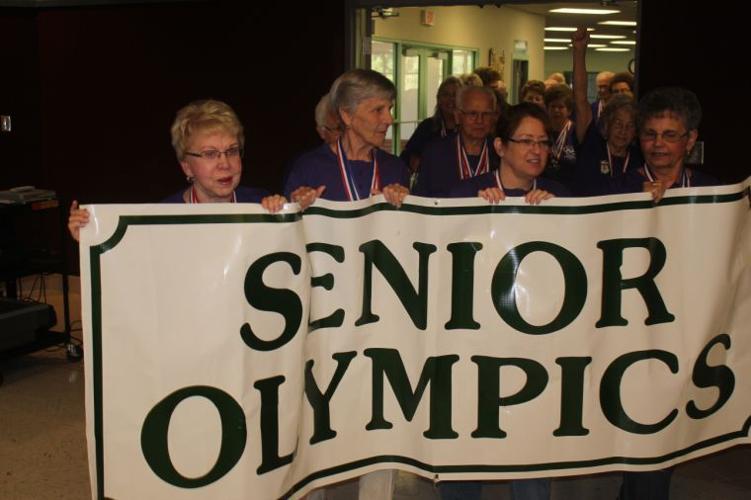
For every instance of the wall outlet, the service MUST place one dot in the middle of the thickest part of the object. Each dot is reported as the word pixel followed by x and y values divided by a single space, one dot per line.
pixel 5 123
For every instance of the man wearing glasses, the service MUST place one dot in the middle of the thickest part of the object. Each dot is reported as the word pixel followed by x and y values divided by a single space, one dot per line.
pixel 464 155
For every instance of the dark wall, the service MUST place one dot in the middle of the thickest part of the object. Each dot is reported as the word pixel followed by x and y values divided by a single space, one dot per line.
pixel 20 150
pixel 99 88
pixel 678 46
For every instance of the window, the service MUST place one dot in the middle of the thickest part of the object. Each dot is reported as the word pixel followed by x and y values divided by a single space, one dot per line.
pixel 417 71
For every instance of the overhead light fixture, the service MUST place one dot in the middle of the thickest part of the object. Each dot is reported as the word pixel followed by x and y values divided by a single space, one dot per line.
pixel 564 28
pixel 608 37
pixel 563 40
pixel 594 12
pixel 554 47
pixel 613 49
pixel 618 23
pixel 624 42
pixel 596 45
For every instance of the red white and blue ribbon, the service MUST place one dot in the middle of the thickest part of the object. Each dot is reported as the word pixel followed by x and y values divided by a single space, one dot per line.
pixel 685 178
pixel 348 179
pixel 610 161
pixel 483 164
pixel 560 142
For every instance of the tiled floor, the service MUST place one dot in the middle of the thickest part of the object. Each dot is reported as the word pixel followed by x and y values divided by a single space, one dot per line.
pixel 43 445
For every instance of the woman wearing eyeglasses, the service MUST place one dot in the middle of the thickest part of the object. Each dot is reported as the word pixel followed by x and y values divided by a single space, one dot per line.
pixel 464 155
pixel 668 128
pixel 559 102
pixel 354 167
pixel 208 139
pixel 441 124
pixel 606 148
pixel 523 144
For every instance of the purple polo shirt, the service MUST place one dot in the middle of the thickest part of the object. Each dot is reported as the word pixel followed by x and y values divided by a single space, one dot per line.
pixel 439 169
pixel 319 167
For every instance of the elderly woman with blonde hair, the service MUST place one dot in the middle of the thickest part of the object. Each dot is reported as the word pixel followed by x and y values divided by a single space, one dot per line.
pixel 208 140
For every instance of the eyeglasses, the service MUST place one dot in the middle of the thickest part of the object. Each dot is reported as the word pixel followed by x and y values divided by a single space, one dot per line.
pixel 619 125
pixel 475 115
pixel 670 136
pixel 215 154
pixel 530 143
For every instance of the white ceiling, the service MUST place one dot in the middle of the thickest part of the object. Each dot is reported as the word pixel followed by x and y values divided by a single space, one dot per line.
pixel 628 12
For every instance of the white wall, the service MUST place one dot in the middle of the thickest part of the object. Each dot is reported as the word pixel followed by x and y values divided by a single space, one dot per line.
pixel 475 28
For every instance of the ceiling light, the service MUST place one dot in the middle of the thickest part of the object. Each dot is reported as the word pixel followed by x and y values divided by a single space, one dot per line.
pixel 564 28
pixel 564 40
pixel 557 47
pixel 608 37
pixel 595 45
pixel 624 42
pixel 595 12
pixel 618 23
pixel 613 49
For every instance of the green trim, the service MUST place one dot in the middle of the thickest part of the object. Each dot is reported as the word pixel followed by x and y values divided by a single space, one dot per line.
pixel 95 254
pixel 423 45
pixel 484 468
pixel 526 209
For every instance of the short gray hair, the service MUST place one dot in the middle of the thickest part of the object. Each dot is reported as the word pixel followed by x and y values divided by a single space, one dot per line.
pixel 357 85
pixel 462 92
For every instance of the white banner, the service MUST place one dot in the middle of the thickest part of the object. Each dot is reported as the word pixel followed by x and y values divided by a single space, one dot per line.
pixel 236 354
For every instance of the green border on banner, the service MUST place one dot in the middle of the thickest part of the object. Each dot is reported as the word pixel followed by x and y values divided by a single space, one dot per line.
pixel 95 253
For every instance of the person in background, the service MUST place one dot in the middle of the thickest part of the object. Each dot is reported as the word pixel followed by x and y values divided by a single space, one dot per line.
pixel 602 80
pixel 208 139
pixel 471 79
pixel 556 78
pixel 354 167
pixel 490 77
pixel 327 123
pixel 465 154
pixel 441 124
pixel 533 91
pixel 559 102
pixel 606 149
pixel 622 83
pixel 493 79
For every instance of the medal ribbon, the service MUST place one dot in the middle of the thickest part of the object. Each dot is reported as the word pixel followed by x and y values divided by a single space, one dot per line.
pixel 483 164
pixel 348 178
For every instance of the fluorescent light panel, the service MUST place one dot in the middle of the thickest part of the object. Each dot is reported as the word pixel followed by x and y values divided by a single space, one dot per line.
pixel 618 23
pixel 608 37
pixel 594 12
pixel 555 47
pixel 623 42
pixel 564 28
pixel 563 40
pixel 613 49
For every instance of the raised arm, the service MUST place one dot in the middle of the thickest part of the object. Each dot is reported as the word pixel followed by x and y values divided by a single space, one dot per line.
pixel 579 41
